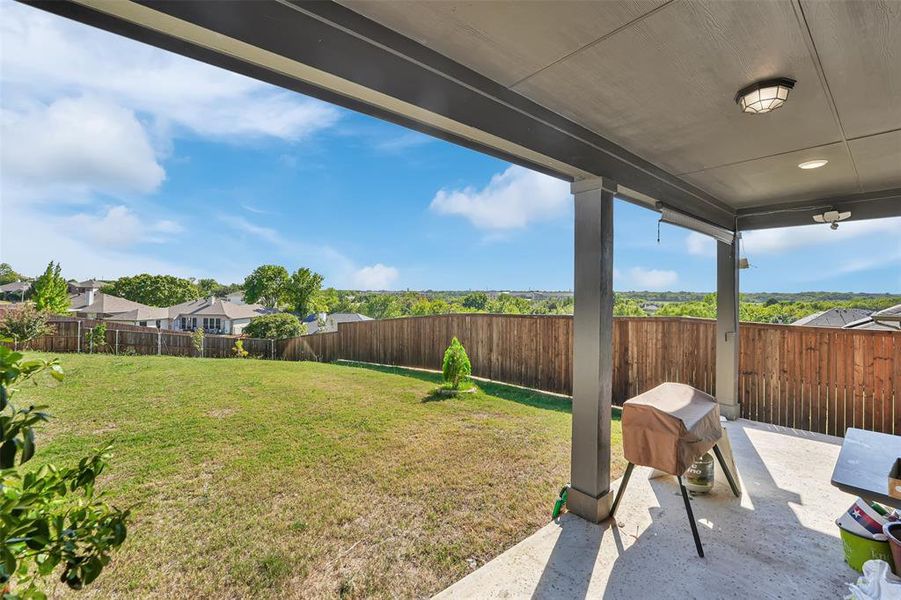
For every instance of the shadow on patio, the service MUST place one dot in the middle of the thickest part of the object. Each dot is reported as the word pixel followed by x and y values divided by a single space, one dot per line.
pixel 778 540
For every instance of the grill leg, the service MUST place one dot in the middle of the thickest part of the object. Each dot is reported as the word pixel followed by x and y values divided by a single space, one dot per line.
pixel 691 518
pixel 729 477
pixel 622 488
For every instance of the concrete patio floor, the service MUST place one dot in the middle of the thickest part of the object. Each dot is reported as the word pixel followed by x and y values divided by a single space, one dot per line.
pixel 778 541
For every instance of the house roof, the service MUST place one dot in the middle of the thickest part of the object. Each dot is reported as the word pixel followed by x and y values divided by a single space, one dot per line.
pixel 348 317
pixel 834 317
pixel 145 313
pixel 90 283
pixel 888 319
pixel 15 286
pixel 103 304
pixel 219 308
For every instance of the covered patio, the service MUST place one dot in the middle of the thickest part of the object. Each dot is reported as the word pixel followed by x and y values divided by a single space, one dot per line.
pixel 647 102
pixel 778 541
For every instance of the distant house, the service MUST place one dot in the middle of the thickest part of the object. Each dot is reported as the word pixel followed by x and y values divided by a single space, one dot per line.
pixel 883 320
pixel 330 322
pixel 214 315
pixel 80 287
pixel 834 317
pixel 97 305
pixel 236 297
pixel 15 291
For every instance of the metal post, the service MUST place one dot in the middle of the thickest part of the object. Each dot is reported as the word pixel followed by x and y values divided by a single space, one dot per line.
pixel 272 344
pixel 727 329
pixel 117 342
pixel 589 495
pixel 78 342
pixel 159 342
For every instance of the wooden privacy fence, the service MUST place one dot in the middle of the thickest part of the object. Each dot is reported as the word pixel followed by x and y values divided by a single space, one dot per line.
pixel 816 379
pixel 121 338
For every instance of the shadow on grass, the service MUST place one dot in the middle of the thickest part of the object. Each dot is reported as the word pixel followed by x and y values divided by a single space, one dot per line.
pixel 525 396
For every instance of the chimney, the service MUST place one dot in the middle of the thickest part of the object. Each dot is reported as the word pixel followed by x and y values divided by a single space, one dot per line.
pixel 211 299
pixel 90 294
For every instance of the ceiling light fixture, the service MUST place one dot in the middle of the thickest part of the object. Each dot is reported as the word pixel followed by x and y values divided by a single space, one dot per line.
pixel 832 217
pixel 764 96
pixel 813 164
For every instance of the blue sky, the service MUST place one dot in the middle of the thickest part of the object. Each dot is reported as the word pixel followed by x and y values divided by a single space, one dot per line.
pixel 118 158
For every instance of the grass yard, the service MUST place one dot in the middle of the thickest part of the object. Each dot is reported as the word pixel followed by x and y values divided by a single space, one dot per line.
pixel 304 480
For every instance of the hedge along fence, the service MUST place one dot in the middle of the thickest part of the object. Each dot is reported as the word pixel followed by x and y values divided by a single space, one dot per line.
pixel 122 338
pixel 811 378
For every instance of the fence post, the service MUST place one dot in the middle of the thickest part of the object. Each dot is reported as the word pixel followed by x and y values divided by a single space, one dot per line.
pixel 117 342
pixel 272 345
pixel 159 342
pixel 78 334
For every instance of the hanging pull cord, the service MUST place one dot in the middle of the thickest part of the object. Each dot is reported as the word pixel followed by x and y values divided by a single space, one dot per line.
pixel 658 232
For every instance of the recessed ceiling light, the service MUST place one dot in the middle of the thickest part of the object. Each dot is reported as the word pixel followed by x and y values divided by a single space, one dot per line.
pixel 764 96
pixel 813 164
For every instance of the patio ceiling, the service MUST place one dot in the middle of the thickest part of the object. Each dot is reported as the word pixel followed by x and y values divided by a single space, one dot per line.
pixel 638 91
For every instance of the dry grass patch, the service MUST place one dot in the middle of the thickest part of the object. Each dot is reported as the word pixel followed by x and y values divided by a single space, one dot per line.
pixel 305 480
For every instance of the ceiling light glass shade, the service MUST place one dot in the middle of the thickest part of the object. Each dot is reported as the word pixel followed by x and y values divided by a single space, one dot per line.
pixel 764 96
pixel 813 164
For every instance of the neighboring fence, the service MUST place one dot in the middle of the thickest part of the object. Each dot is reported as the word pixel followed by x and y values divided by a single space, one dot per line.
pixel 816 379
pixel 121 338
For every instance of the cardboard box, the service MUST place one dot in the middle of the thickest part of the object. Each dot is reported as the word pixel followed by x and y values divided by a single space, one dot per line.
pixel 894 480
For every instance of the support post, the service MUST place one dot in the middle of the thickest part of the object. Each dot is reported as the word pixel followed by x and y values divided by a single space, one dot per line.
pixel 117 342
pixel 159 342
pixel 589 496
pixel 727 329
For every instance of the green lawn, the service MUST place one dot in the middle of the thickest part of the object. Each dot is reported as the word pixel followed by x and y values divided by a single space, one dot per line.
pixel 287 479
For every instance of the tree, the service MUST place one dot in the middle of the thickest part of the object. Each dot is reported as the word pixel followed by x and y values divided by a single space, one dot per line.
pixel 51 292
pixel 456 366
pixel 303 290
pixel 476 301
pixel 50 515
pixel 153 290
pixel 278 326
pixel 24 325
pixel 208 287
pixel 7 275
pixel 625 307
pixel 197 340
pixel 266 285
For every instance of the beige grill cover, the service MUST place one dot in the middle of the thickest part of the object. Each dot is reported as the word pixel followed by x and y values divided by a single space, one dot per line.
pixel 670 426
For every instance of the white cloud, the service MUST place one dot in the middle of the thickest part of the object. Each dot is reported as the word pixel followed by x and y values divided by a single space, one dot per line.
pixel 650 279
pixel 776 241
pixel 46 57
pixel 699 244
pixel 511 200
pixel 119 226
pixel 375 277
pixel 31 239
pixel 73 148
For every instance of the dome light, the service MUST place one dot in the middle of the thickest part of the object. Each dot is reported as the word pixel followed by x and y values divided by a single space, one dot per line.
pixel 813 164
pixel 764 96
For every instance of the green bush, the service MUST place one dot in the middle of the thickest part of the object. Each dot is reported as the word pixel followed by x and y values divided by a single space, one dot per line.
pixel 238 350
pixel 456 367
pixel 24 325
pixel 277 326
pixel 197 340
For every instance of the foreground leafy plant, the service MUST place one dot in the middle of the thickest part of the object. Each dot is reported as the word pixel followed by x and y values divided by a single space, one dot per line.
pixel 52 516
pixel 238 350
pixel 456 367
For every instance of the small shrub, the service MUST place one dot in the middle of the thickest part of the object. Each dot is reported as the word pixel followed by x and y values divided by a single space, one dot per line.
pixel 197 340
pixel 24 325
pixel 95 337
pixel 238 351
pixel 456 367
pixel 276 326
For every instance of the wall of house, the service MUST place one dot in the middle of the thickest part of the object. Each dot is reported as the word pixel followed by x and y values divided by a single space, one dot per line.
pixel 238 325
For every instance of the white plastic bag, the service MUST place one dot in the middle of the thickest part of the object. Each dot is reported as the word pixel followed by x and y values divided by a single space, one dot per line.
pixel 876 583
